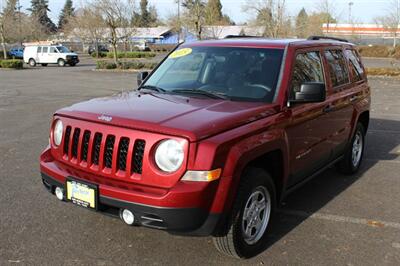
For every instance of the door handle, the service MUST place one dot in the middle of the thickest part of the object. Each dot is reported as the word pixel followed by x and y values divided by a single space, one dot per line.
pixel 328 108
pixel 353 99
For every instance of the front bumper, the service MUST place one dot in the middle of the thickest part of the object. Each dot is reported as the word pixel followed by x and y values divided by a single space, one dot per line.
pixel 72 60
pixel 193 219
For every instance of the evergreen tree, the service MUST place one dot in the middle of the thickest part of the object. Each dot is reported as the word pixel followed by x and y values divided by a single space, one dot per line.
pixel 147 16
pixel 66 13
pixel 214 12
pixel 302 24
pixel 39 9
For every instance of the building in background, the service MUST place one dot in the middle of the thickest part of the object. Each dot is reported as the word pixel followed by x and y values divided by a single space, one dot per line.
pixel 361 33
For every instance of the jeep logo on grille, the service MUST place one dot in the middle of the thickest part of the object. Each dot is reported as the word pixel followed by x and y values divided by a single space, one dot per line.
pixel 105 118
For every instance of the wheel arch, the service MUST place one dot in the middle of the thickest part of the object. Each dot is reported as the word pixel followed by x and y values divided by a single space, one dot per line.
pixel 363 118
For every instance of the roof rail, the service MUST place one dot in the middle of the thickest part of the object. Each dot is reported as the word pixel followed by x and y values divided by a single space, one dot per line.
pixel 316 38
pixel 240 36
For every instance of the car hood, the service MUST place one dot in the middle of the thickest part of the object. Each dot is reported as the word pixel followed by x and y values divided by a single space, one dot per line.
pixel 193 118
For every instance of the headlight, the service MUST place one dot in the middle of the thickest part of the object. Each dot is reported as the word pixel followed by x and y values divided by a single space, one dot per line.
pixel 169 155
pixel 58 132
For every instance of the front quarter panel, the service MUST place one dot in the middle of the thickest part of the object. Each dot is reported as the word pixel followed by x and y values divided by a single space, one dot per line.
pixel 233 150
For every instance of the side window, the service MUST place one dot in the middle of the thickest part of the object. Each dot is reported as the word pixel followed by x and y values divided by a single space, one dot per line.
pixel 355 66
pixel 53 50
pixel 45 49
pixel 307 68
pixel 39 49
pixel 338 70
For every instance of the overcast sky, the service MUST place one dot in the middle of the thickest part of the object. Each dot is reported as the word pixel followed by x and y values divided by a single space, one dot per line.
pixel 363 10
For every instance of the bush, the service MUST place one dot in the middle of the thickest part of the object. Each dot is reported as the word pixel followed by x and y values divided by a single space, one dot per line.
pixel 105 65
pixel 161 47
pixel 379 51
pixel 125 65
pixel 101 55
pixel 132 54
pixel 16 64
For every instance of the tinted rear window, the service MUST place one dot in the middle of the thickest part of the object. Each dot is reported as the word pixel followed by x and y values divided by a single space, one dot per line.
pixel 338 70
pixel 355 65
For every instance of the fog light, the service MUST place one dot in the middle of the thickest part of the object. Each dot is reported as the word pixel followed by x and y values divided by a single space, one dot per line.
pixel 59 193
pixel 127 216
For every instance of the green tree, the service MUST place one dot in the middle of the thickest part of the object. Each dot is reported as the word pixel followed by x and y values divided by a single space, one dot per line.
pixel 39 9
pixel 147 16
pixel 302 24
pixel 66 13
pixel 7 17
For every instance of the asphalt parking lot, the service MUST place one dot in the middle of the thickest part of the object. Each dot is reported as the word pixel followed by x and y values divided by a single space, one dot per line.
pixel 333 220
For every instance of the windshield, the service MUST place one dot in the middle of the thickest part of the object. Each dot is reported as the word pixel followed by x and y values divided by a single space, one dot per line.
pixel 246 74
pixel 63 49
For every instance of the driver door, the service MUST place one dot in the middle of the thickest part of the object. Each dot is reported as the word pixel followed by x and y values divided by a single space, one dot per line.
pixel 309 131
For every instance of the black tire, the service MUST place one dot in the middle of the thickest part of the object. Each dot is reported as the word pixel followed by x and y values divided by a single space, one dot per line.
pixel 32 62
pixel 45 65
pixel 232 241
pixel 61 62
pixel 72 64
pixel 349 165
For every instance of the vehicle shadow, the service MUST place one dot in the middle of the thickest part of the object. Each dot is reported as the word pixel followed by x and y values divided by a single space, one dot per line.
pixel 314 195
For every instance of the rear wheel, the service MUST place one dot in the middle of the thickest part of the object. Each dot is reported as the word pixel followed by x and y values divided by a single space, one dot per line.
pixel 32 62
pixel 61 62
pixel 246 233
pixel 353 156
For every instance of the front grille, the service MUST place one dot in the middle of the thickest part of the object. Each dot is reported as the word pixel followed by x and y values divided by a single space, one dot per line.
pixel 85 145
pixel 108 153
pixel 75 141
pixel 138 153
pixel 66 140
pixel 105 151
pixel 123 153
pixel 96 148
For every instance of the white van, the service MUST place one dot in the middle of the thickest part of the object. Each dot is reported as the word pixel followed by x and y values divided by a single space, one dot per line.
pixel 49 54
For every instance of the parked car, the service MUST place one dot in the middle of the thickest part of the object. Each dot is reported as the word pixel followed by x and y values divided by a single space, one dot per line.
pixel 141 46
pixel 49 54
pixel 214 138
pixel 16 52
pixel 102 49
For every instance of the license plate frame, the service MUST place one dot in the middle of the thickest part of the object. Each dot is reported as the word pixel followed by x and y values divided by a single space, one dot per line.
pixel 74 187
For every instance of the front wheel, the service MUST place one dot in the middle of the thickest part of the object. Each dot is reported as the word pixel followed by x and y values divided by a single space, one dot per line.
pixel 32 62
pixel 353 156
pixel 253 210
pixel 61 62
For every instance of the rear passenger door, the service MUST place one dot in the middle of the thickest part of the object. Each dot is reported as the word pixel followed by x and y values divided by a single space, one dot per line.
pixel 340 99
pixel 309 131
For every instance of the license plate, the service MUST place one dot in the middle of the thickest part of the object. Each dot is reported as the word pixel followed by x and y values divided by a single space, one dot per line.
pixel 82 194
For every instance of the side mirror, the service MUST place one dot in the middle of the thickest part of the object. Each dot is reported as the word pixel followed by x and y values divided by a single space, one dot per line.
pixel 310 92
pixel 141 77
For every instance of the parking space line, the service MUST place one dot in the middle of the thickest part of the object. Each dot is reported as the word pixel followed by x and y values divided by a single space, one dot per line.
pixel 383 161
pixel 343 219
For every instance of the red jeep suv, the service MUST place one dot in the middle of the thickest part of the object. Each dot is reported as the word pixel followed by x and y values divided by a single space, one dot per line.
pixel 214 138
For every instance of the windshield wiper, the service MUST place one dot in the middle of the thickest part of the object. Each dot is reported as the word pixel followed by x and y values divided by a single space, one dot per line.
pixel 209 94
pixel 152 88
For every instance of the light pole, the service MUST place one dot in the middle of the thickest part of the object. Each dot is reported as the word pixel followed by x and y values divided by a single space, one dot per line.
pixel 179 20
pixel 350 6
